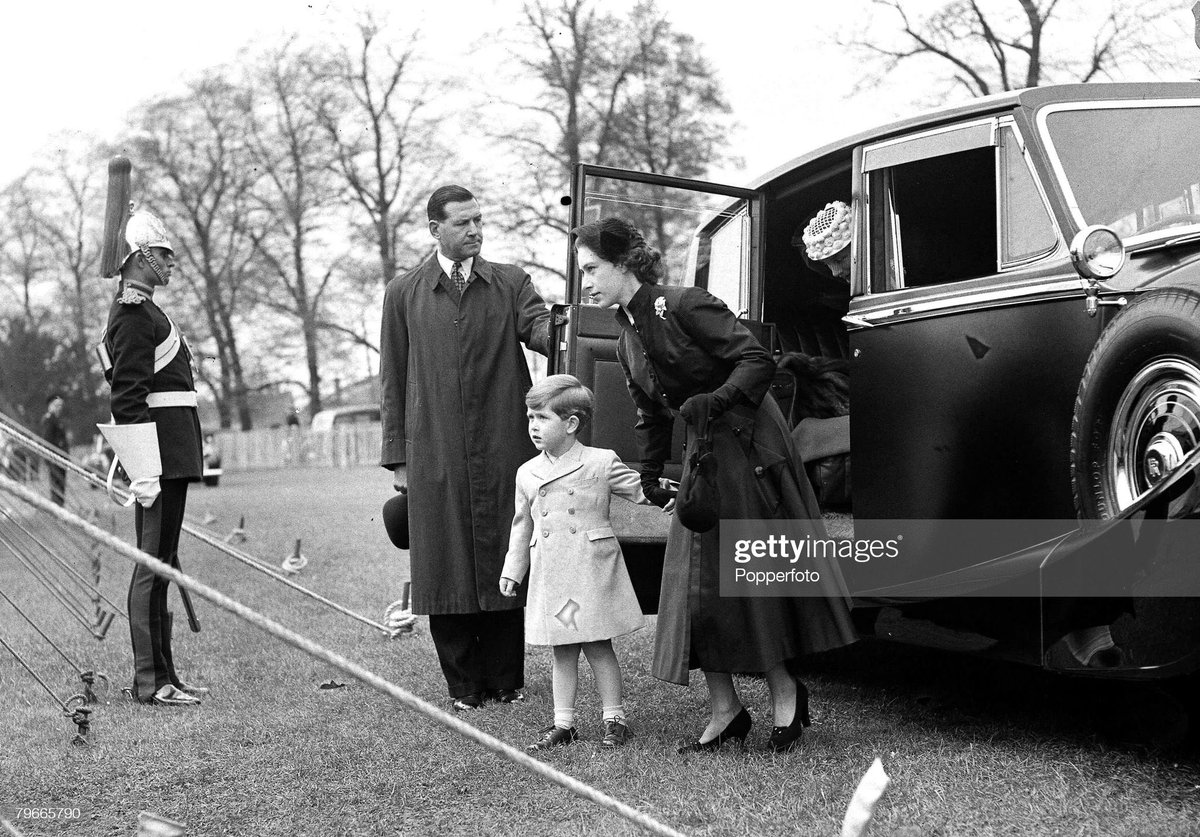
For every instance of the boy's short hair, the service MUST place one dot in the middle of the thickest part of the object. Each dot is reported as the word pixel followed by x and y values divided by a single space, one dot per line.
pixel 562 395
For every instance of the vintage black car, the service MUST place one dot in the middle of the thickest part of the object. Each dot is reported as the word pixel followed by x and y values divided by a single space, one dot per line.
pixel 1022 332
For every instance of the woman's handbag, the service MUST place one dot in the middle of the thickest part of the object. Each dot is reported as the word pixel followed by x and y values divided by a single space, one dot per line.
pixel 699 500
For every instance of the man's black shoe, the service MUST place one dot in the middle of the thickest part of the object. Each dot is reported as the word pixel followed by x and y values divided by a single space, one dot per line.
pixel 506 695
pixel 468 703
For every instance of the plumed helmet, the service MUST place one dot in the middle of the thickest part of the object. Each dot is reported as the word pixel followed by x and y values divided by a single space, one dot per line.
pixel 828 233
pixel 145 230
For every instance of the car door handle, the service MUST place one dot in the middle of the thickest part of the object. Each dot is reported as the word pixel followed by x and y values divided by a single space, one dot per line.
pixel 851 320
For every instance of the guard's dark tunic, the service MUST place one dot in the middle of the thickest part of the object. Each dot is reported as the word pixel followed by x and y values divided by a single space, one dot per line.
pixel 138 335
pixel 135 332
pixel 685 341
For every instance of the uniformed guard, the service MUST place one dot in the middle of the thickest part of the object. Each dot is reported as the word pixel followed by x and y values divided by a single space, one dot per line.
pixel 156 436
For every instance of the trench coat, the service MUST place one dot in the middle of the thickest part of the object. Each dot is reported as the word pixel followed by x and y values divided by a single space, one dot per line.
pixel 681 342
pixel 454 379
pixel 578 587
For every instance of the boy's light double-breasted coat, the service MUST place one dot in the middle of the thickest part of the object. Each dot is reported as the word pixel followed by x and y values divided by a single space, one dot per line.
pixel 578 588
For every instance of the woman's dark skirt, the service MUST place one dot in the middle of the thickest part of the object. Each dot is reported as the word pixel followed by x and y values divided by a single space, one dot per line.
pixel 697 627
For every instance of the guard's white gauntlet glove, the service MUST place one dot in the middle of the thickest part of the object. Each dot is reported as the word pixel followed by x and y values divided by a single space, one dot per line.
pixel 146 490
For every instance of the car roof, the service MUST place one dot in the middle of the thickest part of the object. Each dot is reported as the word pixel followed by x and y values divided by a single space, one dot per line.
pixel 1030 98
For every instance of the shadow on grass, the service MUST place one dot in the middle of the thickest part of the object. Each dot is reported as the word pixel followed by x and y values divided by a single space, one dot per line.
pixel 950 693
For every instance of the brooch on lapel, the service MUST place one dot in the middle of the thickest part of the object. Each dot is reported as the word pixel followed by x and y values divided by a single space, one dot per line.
pixel 131 296
pixel 660 307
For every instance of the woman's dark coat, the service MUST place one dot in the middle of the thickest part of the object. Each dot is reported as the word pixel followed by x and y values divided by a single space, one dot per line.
pixel 684 341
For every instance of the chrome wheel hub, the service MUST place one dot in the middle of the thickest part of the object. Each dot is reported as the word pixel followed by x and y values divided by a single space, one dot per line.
pixel 1155 425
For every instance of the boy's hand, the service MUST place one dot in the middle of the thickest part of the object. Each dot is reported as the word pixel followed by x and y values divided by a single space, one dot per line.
pixel 508 587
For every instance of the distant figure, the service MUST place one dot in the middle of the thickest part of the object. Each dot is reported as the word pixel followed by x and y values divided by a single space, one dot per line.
pixel 454 379
pixel 55 434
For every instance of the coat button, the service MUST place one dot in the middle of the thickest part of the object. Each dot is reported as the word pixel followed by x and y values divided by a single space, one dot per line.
pixel 570 511
pixel 570 490
pixel 544 512
pixel 545 533
pixel 542 491
pixel 572 530
pixel 758 470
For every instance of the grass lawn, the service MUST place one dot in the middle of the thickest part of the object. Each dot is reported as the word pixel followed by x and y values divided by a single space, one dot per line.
pixel 973 747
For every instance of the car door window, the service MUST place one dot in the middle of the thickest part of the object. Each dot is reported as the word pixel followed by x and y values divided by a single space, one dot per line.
pixel 933 202
pixel 704 231
pixel 1027 231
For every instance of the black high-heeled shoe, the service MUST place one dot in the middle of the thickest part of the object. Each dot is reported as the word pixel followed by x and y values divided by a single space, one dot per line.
pixel 785 738
pixel 735 730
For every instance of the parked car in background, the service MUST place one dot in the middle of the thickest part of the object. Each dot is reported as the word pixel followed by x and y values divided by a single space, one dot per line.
pixel 327 420
pixel 1022 331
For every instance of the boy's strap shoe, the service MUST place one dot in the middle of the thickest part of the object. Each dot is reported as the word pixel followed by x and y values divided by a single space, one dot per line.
pixel 168 695
pixel 553 736
pixel 615 734
pixel 468 703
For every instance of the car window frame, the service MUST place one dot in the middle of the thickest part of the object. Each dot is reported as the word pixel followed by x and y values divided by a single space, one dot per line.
pixel 750 306
pixel 1008 124
pixel 940 142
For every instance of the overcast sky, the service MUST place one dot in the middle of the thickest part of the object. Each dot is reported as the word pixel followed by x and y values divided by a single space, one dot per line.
pixel 80 66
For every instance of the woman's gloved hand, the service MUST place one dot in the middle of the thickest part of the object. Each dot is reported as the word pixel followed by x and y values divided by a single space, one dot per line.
pixel 658 495
pixel 711 404
pixel 653 488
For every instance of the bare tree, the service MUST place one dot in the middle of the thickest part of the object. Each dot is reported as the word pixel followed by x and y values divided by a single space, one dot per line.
pixel 23 254
pixel 379 116
pixel 202 176
pixel 35 352
pixel 987 46
pixel 294 197
pixel 69 187
pixel 626 91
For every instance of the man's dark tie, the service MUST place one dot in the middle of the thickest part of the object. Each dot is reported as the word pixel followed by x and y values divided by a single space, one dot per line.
pixel 457 275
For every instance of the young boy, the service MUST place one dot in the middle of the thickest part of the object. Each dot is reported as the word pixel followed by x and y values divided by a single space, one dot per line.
pixel 579 593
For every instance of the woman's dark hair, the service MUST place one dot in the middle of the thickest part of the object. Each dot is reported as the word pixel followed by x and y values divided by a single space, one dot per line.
pixel 436 208
pixel 621 243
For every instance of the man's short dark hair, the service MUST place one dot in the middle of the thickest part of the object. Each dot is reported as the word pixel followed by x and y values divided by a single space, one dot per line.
pixel 51 397
pixel 436 208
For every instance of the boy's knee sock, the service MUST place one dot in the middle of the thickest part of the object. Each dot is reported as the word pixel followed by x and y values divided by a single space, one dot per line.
pixel 564 718
pixel 614 713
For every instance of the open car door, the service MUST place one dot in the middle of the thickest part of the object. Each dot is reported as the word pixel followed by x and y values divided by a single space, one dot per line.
pixel 710 236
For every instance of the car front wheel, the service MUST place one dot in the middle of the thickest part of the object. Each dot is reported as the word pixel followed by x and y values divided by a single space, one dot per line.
pixel 1137 412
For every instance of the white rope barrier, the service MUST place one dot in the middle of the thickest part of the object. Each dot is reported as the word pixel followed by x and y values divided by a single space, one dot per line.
pixel 24 437
pixel 348 667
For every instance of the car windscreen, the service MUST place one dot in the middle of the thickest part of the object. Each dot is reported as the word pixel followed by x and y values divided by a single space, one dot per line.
pixel 1133 168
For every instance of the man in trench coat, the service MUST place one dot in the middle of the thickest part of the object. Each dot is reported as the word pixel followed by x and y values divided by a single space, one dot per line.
pixel 454 380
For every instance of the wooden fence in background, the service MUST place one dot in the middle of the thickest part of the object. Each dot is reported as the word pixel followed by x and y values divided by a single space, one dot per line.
pixel 342 447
